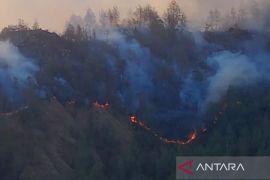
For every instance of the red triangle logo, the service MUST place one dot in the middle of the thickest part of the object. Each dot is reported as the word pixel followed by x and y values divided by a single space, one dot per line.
pixel 186 167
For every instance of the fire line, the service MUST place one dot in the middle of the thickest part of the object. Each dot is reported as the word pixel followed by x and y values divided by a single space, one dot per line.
pixel 135 121
pixel 193 135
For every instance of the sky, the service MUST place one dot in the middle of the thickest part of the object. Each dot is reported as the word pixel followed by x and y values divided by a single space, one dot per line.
pixel 53 14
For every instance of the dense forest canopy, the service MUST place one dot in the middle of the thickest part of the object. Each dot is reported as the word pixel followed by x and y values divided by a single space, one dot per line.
pixel 66 98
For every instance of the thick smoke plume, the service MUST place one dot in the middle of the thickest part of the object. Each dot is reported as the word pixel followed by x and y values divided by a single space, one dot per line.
pixel 174 74
pixel 15 70
pixel 230 69
pixel 233 70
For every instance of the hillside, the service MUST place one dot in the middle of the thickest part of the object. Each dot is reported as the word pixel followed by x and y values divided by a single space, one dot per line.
pixel 47 141
pixel 59 126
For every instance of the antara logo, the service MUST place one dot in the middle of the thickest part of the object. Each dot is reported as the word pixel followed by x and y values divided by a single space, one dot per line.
pixel 220 167
pixel 189 164
pixel 187 167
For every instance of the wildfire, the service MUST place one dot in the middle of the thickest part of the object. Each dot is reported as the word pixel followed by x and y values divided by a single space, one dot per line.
pixel 101 106
pixel 134 120
pixel 191 138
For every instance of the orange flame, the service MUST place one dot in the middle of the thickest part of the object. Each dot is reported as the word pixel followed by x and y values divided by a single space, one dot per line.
pixel 134 120
pixel 192 137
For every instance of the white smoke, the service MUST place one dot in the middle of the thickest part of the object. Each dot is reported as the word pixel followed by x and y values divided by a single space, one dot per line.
pixel 138 61
pixel 15 69
pixel 233 70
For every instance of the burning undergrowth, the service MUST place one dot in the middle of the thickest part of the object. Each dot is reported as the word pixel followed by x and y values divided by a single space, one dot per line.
pixel 167 78
pixel 169 95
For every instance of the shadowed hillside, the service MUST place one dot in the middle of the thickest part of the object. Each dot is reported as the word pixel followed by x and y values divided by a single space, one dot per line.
pixel 121 99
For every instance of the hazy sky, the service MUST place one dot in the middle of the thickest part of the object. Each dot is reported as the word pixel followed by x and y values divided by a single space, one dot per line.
pixel 52 14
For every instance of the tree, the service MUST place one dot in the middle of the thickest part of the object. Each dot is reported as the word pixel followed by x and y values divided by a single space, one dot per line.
pixel 35 25
pixel 105 23
pixel 256 15
pixel 89 19
pixel 79 33
pixel 254 10
pixel 214 21
pixel 103 19
pixel 76 21
pixel 69 33
pixel 242 16
pixel 89 22
pixel 145 17
pixel 183 22
pixel 150 14
pixel 174 18
pixel 230 21
pixel 233 17
pixel 22 25
pixel 114 16
pixel 75 33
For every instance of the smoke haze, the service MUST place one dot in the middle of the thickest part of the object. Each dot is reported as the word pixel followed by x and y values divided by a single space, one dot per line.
pixel 233 70
pixel 154 72
pixel 53 14
pixel 15 70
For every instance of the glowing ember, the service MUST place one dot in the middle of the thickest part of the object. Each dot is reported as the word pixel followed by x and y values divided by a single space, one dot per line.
pixel 193 136
pixel 133 119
